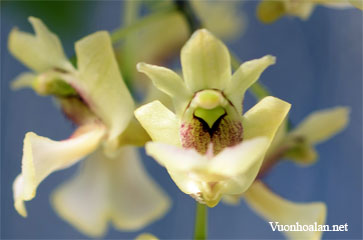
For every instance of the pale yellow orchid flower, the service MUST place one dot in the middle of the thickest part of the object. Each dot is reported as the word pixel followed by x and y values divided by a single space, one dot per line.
pixel 317 127
pixel 207 146
pixel 113 188
pixel 269 11
pixel 166 35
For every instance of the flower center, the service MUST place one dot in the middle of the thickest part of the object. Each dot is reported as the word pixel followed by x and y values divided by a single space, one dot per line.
pixel 210 119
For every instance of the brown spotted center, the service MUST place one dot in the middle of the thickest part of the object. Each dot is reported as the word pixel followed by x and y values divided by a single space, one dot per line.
pixel 225 132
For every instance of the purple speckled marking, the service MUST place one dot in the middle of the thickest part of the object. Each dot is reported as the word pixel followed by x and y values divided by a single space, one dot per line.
pixel 224 133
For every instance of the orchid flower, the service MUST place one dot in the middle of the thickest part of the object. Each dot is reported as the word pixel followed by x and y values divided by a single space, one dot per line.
pixel 166 35
pixel 112 185
pixel 270 11
pixel 317 127
pixel 298 145
pixel 206 145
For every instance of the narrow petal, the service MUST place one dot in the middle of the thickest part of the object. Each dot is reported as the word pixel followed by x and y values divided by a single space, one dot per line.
pixel 322 125
pixel 39 52
pixel 264 118
pixel 169 82
pixel 161 124
pixel 23 80
pixel 175 157
pixel 101 84
pixel 274 208
pixel 42 156
pixel 246 75
pixel 18 189
pixel 206 62
pixel 136 199
pixel 84 200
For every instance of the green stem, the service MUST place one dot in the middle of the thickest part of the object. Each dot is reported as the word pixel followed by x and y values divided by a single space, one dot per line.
pixel 201 222
pixel 185 8
pixel 121 33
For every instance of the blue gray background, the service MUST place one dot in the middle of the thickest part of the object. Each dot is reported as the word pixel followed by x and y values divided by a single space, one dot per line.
pixel 319 65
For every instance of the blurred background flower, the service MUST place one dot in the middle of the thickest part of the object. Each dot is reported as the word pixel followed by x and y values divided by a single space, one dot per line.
pixel 319 65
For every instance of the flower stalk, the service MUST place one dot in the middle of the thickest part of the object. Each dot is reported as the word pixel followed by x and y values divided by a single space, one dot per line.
pixel 201 222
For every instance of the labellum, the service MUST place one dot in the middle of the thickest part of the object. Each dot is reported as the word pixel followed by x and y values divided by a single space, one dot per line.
pixel 210 118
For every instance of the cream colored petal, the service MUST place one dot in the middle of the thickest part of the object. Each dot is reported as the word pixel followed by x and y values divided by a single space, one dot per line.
pixel 101 84
pixel 357 3
pixel 23 80
pixel 279 137
pixel 338 4
pixel 84 200
pixel 233 200
pixel 134 135
pixel 274 208
pixel 187 168
pixel 110 189
pixel 136 199
pixel 169 82
pixel 146 236
pixel 39 52
pixel 206 62
pixel 176 158
pixel 240 164
pixel 322 125
pixel 236 167
pixel 160 123
pixel 42 156
pixel 301 9
pixel 264 118
pixel 240 159
pixel 185 182
pixel 18 189
pixel 246 75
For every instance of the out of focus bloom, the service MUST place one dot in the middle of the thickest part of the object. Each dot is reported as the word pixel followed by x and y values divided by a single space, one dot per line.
pixel 166 35
pixel 319 126
pixel 146 236
pixel 207 146
pixel 109 187
pixel 297 145
pixel 269 11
